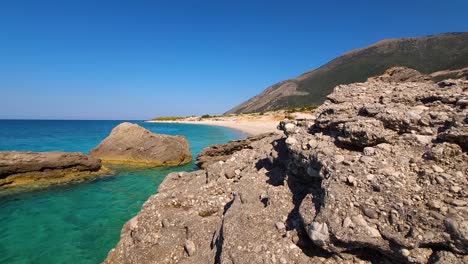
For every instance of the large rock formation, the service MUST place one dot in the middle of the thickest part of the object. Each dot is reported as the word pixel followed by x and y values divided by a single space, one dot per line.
pixel 378 176
pixel 391 161
pixel 38 169
pixel 132 144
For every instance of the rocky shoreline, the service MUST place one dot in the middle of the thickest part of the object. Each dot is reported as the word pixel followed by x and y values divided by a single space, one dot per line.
pixel 127 144
pixel 40 169
pixel 378 176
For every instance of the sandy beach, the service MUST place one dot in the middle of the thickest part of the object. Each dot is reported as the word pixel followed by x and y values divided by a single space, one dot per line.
pixel 250 128
pixel 248 124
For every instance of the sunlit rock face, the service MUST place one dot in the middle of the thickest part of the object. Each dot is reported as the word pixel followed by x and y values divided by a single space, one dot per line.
pixel 132 144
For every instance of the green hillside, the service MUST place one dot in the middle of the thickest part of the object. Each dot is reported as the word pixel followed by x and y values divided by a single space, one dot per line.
pixel 425 54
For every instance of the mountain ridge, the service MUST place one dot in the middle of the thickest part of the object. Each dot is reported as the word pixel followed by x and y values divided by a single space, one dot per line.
pixel 426 54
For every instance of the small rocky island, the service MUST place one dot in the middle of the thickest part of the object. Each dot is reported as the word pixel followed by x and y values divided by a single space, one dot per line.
pixel 378 176
pixel 38 169
pixel 132 144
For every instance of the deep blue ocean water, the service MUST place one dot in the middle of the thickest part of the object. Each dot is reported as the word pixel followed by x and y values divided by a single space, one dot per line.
pixel 80 223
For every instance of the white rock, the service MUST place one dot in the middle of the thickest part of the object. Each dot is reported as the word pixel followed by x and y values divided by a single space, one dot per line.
pixel 291 141
pixel 289 127
pixel 190 247
pixel 405 252
pixel 318 233
pixel 437 168
pixel 369 151
pixel 280 226
pixel 423 139
pixel 339 158
pixel 347 222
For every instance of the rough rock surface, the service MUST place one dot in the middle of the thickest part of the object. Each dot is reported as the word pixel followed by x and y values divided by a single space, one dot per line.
pixel 132 144
pixel 401 74
pixel 378 177
pixel 37 169
pixel 221 152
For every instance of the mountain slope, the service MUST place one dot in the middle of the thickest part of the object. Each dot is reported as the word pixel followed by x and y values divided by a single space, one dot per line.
pixel 425 54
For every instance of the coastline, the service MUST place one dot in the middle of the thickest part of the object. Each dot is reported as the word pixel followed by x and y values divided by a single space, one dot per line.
pixel 249 128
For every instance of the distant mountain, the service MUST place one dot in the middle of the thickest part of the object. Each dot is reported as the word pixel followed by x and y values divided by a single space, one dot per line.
pixel 426 54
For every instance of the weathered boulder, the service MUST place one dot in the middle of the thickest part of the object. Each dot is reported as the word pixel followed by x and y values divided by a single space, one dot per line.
pixel 38 169
pixel 132 144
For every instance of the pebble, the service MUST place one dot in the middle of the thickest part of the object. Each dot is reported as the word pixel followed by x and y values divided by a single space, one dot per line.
pixel 295 238
pixel 445 176
pixel 423 139
pixel 257 249
pixel 437 215
pixel 370 177
pixel 289 127
pixel 458 202
pixel 371 213
pixel 413 115
pixel 440 180
pixel 312 143
pixel 437 169
pixel 291 141
pixel 385 146
pixel 426 131
pixel 339 158
pixel 365 159
pixel 405 252
pixel 351 180
pixel 428 235
pixel 369 151
pixel 347 222
pixel 417 188
pixel 280 226
pixel 435 204
pixel 455 188
pixel 190 247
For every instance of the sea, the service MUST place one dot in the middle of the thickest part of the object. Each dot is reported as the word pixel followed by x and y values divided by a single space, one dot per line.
pixel 81 222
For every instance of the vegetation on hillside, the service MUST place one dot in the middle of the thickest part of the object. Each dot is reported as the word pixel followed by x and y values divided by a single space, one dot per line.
pixel 168 118
pixel 425 54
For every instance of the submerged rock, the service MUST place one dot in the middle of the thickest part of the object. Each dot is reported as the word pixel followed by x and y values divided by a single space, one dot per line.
pixel 132 144
pixel 38 169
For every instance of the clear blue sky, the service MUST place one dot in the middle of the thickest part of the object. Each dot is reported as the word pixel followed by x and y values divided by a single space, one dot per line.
pixel 136 59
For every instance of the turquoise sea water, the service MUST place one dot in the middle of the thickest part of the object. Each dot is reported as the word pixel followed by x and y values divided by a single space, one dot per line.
pixel 80 223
